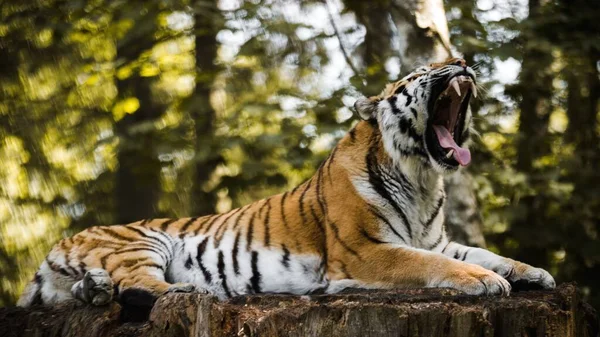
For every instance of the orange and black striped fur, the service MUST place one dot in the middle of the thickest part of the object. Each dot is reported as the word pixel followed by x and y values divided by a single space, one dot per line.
pixel 371 217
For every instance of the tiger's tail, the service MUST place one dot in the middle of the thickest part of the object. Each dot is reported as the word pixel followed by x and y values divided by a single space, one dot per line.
pixel 32 293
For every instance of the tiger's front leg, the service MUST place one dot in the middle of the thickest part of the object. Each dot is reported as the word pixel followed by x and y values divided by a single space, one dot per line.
pixel 514 271
pixel 394 266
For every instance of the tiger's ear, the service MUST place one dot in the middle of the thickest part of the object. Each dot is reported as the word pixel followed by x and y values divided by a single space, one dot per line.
pixel 366 107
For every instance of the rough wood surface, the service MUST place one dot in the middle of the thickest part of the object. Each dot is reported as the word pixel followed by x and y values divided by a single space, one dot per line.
pixel 418 312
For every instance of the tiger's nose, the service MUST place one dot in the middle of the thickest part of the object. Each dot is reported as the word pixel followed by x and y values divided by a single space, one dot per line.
pixel 460 63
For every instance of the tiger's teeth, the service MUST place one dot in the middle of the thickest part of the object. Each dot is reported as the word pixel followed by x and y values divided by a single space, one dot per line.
pixel 474 89
pixel 449 154
pixel 455 85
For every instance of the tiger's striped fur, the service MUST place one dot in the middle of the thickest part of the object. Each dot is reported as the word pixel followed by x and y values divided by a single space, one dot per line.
pixel 371 216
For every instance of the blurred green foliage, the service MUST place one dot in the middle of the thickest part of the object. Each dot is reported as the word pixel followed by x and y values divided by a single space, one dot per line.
pixel 112 111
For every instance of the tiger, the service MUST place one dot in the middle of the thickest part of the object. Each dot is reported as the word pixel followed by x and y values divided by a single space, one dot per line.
pixel 371 217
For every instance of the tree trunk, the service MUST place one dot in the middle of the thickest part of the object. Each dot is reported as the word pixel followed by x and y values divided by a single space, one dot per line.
pixel 138 176
pixel 376 48
pixel 582 110
pixel 535 92
pixel 208 22
pixel 463 219
pixel 418 312
pixel 422 31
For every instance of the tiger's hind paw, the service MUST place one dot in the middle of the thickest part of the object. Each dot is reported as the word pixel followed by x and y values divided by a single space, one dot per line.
pixel 96 287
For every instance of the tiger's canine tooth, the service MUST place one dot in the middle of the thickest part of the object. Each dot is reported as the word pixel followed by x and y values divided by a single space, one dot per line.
pixel 455 85
pixel 474 89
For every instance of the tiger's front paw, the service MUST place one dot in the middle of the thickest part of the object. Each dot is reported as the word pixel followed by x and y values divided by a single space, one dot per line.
pixel 524 276
pixel 475 280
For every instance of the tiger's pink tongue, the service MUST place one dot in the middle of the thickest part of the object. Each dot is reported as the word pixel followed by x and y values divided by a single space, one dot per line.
pixel 462 156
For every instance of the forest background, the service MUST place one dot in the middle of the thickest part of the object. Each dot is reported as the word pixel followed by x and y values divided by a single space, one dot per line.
pixel 115 111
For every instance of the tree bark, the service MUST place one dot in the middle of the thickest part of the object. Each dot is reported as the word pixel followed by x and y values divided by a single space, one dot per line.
pixel 418 312
pixel 463 219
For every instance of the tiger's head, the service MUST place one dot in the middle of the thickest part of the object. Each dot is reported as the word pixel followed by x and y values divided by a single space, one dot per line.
pixel 426 115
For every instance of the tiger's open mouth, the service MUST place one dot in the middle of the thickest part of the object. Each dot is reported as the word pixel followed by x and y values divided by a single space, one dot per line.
pixel 448 109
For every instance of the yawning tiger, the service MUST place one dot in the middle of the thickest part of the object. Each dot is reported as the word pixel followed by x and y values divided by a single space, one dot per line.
pixel 370 217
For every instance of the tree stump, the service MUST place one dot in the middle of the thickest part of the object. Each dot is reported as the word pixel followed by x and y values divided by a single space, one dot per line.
pixel 416 312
